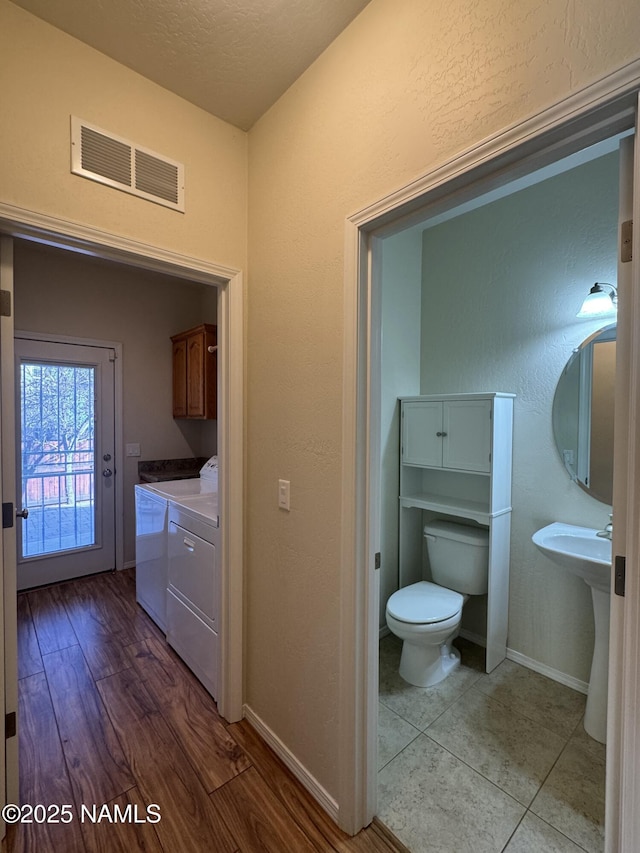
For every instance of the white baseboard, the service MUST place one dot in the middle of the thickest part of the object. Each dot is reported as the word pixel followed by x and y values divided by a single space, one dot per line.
pixel 523 660
pixel 536 666
pixel 303 776
pixel 130 564
pixel 384 632
pixel 543 669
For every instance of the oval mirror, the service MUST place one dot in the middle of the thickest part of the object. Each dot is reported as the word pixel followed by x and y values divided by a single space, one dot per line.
pixel 583 414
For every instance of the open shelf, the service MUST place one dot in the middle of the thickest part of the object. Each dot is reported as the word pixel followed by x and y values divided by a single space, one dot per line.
pixel 448 505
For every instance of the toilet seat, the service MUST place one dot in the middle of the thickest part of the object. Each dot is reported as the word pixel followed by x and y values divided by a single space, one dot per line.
pixel 424 603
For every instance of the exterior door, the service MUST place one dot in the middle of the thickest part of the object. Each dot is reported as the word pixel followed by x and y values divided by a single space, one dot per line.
pixel 65 460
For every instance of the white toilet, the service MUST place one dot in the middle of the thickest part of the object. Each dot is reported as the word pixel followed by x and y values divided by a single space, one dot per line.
pixel 426 616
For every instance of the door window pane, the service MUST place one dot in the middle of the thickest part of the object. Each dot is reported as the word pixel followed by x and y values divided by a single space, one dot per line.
pixel 57 454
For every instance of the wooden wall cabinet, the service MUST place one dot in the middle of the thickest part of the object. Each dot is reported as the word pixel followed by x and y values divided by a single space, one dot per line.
pixel 455 462
pixel 195 373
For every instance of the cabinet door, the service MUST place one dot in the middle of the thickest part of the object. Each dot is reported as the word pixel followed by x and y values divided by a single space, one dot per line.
pixel 180 379
pixel 467 441
pixel 195 376
pixel 422 433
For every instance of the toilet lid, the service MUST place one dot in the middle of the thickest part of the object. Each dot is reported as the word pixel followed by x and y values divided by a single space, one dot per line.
pixel 424 602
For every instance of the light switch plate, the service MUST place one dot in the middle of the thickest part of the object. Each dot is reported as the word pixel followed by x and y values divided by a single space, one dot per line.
pixel 284 494
pixel 132 449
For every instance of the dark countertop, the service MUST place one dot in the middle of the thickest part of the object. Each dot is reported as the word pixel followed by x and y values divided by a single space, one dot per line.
pixel 162 470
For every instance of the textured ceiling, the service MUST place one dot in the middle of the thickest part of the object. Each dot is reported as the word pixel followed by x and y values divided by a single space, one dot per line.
pixel 233 58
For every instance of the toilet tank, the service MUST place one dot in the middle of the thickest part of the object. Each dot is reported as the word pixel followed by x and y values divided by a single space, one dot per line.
pixel 458 555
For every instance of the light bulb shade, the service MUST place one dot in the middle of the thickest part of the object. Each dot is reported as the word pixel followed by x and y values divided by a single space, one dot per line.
pixel 599 303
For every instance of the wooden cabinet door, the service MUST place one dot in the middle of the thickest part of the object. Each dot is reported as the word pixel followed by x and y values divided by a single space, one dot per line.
pixel 467 440
pixel 195 375
pixel 180 378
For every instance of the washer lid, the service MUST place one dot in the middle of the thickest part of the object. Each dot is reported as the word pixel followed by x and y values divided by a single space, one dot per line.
pixel 424 602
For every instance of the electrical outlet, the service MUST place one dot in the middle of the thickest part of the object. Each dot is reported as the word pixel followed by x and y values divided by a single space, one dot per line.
pixel 132 449
pixel 284 494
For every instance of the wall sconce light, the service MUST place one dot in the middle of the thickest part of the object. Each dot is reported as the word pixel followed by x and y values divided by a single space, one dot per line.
pixel 599 302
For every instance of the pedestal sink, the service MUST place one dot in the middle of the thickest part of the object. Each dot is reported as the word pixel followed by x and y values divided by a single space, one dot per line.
pixel 581 551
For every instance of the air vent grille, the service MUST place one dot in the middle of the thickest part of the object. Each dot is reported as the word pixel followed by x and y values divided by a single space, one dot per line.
pixel 156 176
pixel 105 156
pixel 100 156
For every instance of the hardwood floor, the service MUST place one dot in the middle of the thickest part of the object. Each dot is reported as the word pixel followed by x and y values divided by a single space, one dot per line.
pixel 110 717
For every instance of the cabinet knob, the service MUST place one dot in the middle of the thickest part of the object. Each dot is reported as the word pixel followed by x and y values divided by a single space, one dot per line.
pixel 441 434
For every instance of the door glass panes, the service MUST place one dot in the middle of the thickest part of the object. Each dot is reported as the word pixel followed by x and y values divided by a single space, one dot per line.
pixel 57 412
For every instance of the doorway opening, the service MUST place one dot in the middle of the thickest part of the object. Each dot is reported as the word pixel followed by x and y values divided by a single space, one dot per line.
pixel 520 151
pixel 485 301
pixel 227 284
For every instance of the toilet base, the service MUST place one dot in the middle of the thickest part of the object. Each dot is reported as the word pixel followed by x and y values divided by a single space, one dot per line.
pixel 424 666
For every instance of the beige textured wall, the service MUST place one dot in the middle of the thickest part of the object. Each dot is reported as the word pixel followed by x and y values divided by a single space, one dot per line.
pixel 63 293
pixel 46 77
pixel 407 86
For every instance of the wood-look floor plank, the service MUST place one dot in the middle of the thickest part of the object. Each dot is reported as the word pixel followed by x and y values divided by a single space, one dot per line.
pixel 92 596
pixel 130 835
pixel 163 772
pixel 50 619
pixel 29 658
pixel 315 822
pixel 258 819
pixel 98 631
pixel 191 714
pixel 121 588
pixel 375 838
pixel 43 774
pixel 97 766
pixel 151 707
pixel 303 809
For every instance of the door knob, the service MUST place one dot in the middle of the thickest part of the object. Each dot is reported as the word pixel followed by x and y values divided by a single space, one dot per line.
pixel 22 513
pixel 107 472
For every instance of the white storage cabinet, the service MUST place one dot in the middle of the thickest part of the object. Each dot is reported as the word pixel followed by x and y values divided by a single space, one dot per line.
pixel 456 457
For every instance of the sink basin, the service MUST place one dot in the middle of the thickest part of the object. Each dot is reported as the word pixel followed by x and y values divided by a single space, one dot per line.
pixel 582 552
pixel 579 550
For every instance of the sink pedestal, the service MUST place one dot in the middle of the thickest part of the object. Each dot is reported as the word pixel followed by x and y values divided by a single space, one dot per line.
pixel 586 553
pixel 595 716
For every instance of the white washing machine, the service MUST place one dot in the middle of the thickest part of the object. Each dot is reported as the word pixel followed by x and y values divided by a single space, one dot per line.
pixel 152 511
pixel 193 592
pixel 152 514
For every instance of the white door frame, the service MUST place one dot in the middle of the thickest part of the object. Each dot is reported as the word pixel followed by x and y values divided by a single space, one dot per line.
pixel 30 225
pixel 592 114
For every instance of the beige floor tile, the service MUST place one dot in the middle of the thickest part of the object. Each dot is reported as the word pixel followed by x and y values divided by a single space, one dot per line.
pixel 420 706
pixel 555 706
pixel 394 734
pixel 434 803
pixel 572 799
pixel 508 749
pixel 535 836
pixel 473 656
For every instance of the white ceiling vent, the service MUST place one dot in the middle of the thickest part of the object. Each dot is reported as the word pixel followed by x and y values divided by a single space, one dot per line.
pixel 100 156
